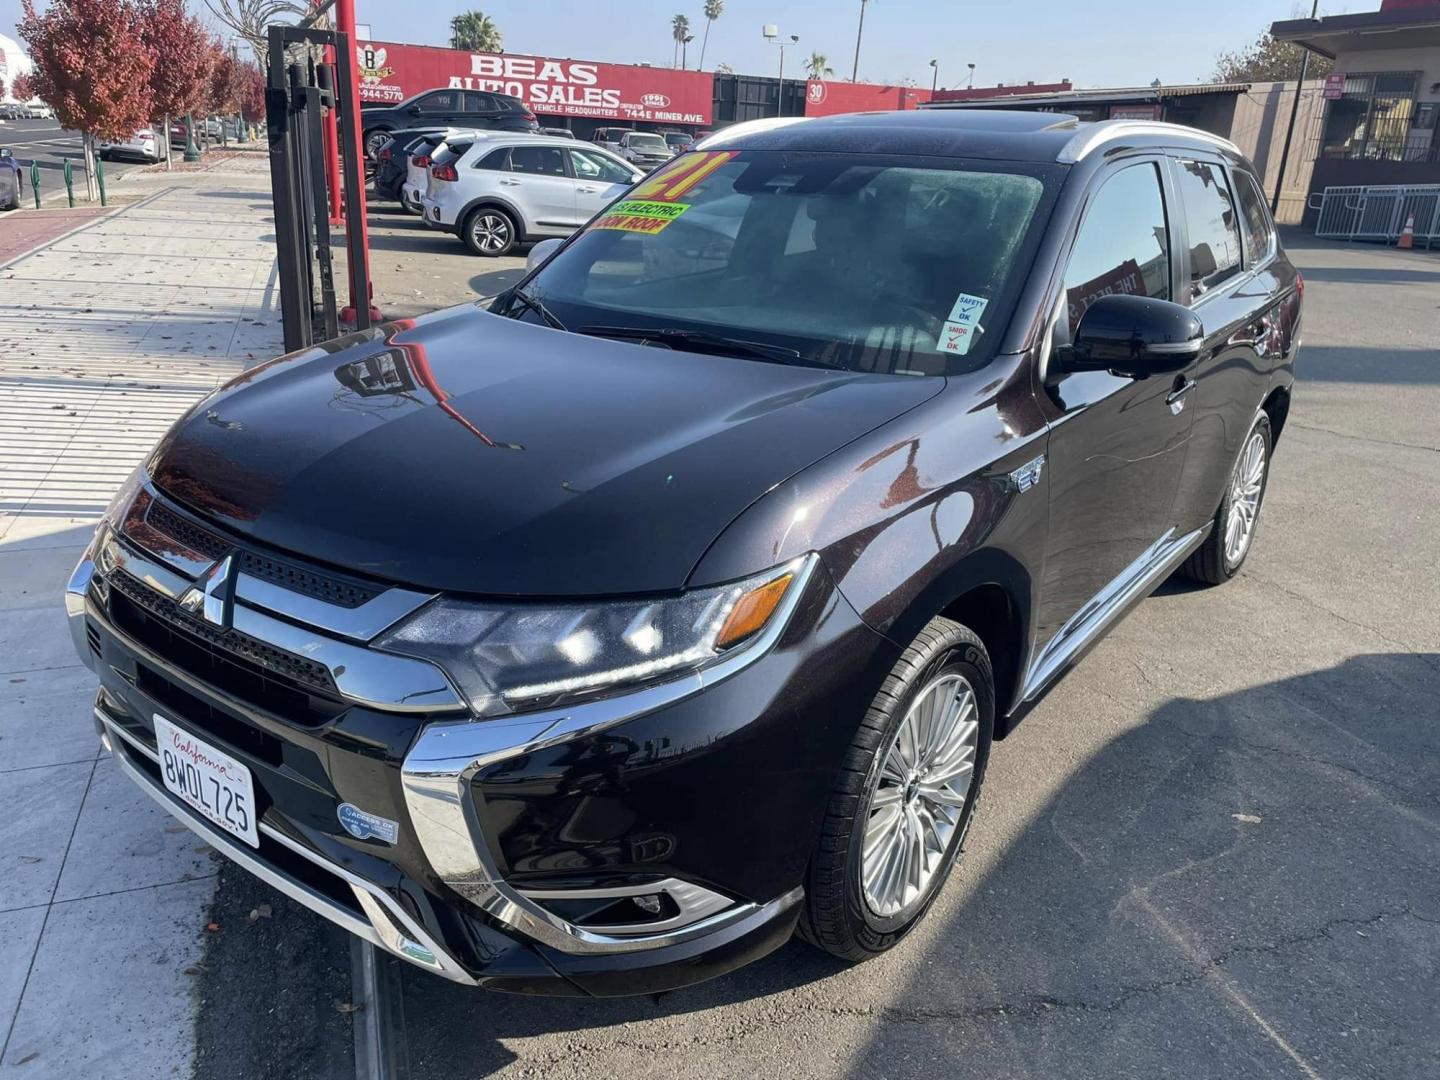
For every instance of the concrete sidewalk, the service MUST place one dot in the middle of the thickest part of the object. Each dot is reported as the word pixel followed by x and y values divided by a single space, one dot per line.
pixel 111 332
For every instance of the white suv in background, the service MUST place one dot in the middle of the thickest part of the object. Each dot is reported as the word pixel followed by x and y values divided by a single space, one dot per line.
pixel 498 190
pixel 417 165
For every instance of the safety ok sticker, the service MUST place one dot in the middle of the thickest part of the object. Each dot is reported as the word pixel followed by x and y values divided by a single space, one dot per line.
pixel 640 215
pixel 961 326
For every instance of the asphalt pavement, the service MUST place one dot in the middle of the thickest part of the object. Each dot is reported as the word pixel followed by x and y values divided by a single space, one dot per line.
pixel 1212 851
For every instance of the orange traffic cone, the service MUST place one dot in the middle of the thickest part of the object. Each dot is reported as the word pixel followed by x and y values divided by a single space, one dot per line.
pixel 1407 234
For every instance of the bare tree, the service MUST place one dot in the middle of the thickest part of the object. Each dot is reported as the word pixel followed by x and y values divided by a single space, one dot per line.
pixel 249 19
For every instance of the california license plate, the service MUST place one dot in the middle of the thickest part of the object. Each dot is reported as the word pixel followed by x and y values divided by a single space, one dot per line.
pixel 208 780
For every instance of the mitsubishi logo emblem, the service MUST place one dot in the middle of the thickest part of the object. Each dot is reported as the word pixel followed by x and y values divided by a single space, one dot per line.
pixel 212 596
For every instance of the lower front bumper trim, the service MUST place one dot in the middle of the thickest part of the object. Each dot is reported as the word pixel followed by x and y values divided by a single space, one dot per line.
pixel 383 923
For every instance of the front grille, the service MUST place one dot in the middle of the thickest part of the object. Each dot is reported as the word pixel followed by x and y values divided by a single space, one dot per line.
pixel 201 714
pixel 92 637
pixel 270 679
pixel 333 590
pixel 192 536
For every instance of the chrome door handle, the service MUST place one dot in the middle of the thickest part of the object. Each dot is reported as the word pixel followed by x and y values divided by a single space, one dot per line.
pixel 509 183
pixel 1176 398
pixel 589 190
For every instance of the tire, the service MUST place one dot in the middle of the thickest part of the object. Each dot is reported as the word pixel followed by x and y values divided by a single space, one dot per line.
pixel 1217 560
pixel 373 141
pixel 491 222
pixel 839 914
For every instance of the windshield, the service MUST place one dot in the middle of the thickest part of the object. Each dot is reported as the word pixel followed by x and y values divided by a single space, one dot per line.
pixel 647 142
pixel 856 262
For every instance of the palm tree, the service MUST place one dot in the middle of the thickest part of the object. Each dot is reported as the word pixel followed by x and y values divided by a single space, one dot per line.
pixel 859 32
pixel 819 65
pixel 713 8
pixel 680 31
pixel 473 31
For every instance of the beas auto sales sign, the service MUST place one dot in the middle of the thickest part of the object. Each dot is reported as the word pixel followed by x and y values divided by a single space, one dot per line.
pixel 391 73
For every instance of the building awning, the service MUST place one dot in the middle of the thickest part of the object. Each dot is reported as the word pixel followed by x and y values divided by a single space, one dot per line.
pixel 1399 28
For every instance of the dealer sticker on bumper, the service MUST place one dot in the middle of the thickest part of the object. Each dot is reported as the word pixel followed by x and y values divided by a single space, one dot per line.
pixel 208 780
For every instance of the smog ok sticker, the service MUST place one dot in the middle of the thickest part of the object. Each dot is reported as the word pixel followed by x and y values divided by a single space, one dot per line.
pixel 640 215
pixel 962 325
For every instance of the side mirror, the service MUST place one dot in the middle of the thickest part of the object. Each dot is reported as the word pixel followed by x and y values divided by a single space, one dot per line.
pixel 1135 336
pixel 414 110
pixel 541 251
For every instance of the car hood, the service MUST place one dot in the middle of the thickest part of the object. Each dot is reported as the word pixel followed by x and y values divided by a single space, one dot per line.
pixel 467 452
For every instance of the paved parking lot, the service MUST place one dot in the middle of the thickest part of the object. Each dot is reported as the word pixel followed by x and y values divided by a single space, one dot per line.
pixel 1211 852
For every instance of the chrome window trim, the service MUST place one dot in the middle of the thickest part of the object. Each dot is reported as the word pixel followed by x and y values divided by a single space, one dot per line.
pixel 385 681
pixel 398 934
pixel 1096 616
pixel 439 768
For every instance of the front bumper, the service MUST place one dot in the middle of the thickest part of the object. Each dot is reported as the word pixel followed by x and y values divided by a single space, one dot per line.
pixel 513 833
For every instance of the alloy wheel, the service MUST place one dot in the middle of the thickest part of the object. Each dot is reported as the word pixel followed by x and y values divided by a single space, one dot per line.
pixel 491 232
pixel 925 777
pixel 1245 489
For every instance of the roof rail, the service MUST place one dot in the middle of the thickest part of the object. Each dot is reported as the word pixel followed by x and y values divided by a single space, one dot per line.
pixel 1091 137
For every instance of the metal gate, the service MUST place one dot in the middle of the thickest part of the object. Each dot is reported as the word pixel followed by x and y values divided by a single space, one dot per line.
pixel 1373 212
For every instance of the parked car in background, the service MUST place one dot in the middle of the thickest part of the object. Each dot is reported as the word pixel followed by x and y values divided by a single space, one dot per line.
pixel 679 141
pixel 10 181
pixel 17 110
pixel 498 191
pixel 39 110
pixel 144 144
pixel 457 108
pixel 417 171
pixel 392 159
pixel 557 133
pixel 644 148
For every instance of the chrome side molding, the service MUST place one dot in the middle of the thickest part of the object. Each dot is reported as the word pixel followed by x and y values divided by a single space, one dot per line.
pixel 1096 616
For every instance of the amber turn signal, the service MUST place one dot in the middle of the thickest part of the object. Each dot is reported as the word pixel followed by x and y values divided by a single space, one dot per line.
pixel 752 611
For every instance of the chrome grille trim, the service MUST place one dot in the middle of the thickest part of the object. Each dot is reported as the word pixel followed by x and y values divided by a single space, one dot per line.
pixel 185 550
pixel 383 681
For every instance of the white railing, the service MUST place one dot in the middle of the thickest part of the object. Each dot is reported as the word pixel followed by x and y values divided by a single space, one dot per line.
pixel 1375 212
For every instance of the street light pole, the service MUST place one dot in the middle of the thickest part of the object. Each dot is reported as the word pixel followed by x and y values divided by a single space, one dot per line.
pixel 772 35
pixel 970 82
pixel 935 78
pixel 1294 112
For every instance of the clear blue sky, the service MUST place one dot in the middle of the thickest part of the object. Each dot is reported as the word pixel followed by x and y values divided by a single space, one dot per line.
pixel 1099 43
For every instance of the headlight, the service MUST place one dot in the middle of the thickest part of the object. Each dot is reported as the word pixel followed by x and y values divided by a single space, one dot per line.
pixel 509 658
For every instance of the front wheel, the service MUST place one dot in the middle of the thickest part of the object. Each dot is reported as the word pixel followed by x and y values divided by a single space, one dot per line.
pixel 1222 554
pixel 373 141
pixel 905 796
pixel 489 232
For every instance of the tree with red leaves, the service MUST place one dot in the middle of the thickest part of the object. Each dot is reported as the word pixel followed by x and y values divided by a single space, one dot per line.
pixel 252 103
pixel 92 66
pixel 180 47
pixel 21 89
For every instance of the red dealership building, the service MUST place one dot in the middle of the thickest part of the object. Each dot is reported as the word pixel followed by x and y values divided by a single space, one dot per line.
pixel 585 94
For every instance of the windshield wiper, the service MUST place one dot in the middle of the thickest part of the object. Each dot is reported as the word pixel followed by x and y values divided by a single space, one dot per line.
pixel 534 304
pixel 698 341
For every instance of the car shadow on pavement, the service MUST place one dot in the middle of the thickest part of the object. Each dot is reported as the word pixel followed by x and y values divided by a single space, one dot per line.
pixel 1244 885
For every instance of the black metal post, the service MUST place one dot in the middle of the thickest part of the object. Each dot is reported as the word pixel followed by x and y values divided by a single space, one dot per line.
pixel 291 249
pixel 1294 112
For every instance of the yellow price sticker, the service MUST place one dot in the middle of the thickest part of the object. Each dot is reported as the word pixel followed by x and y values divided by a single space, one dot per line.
pixel 640 215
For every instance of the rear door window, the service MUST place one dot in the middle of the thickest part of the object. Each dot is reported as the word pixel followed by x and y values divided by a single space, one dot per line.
pixel 496 159
pixel 476 102
pixel 440 102
pixel 1255 217
pixel 1123 245
pixel 1212 224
